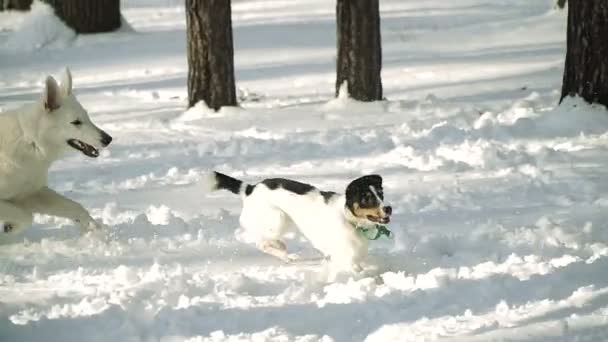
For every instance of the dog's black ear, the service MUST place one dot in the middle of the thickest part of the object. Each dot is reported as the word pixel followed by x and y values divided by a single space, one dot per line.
pixel 51 94
pixel 375 180
pixel 367 180
pixel 361 185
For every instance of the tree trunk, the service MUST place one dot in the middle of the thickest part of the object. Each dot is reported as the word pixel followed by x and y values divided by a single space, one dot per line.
pixel 586 69
pixel 359 49
pixel 19 5
pixel 88 16
pixel 210 53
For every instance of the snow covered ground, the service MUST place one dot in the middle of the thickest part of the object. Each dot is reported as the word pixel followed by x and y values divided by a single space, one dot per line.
pixel 500 198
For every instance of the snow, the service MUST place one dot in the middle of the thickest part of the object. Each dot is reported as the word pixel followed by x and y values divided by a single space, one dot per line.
pixel 40 29
pixel 499 195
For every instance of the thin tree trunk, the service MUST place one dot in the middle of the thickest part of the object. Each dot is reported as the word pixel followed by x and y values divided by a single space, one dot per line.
pixel 88 16
pixel 18 5
pixel 586 69
pixel 210 53
pixel 359 59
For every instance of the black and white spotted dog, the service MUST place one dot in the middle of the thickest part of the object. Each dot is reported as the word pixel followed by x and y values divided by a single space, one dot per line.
pixel 330 221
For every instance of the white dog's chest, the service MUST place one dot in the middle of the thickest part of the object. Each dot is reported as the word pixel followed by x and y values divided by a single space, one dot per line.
pixel 21 180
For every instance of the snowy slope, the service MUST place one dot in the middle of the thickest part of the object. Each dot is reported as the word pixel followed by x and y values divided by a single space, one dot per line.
pixel 499 197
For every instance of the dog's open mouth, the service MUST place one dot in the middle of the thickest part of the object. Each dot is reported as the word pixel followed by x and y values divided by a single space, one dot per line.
pixel 85 148
pixel 381 220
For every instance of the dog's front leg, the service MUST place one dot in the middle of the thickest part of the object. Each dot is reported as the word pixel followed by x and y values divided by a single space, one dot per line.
pixel 47 201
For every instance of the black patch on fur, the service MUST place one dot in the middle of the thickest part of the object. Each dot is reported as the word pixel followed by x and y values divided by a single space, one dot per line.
pixel 358 191
pixel 289 185
pixel 249 189
pixel 7 227
pixel 228 183
pixel 327 195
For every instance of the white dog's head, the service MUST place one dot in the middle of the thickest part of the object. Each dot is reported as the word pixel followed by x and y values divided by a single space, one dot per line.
pixel 65 123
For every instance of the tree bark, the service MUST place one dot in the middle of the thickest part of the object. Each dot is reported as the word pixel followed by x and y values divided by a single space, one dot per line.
pixel 88 16
pixel 586 67
pixel 359 59
pixel 210 53
pixel 19 5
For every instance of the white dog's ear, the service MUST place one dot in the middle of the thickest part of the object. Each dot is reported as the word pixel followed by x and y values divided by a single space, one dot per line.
pixel 51 94
pixel 66 82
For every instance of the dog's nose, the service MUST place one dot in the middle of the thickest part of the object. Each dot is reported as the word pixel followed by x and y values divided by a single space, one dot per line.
pixel 106 139
pixel 388 210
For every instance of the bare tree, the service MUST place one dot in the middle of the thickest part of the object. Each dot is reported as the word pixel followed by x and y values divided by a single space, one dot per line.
pixel 359 59
pixel 210 53
pixel 88 16
pixel 19 5
pixel 586 69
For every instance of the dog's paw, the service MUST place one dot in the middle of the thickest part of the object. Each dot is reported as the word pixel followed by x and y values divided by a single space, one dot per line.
pixel 11 227
pixel 292 257
pixel 95 226
pixel 97 236
pixel 8 227
pixel 90 224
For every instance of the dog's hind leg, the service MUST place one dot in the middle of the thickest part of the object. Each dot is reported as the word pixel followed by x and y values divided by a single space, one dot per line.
pixel 266 224
pixel 14 218
pixel 47 201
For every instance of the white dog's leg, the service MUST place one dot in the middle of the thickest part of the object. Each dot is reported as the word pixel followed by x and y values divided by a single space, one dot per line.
pixel 13 218
pixel 275 248
pixel 47 201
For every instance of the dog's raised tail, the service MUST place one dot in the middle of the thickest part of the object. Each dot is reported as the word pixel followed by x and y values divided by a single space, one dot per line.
pixel 218 181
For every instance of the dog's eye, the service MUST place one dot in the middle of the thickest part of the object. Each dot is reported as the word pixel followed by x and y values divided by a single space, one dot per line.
pixel 76 122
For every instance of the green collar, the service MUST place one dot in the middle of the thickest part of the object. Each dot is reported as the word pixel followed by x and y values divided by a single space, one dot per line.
pixel 374 232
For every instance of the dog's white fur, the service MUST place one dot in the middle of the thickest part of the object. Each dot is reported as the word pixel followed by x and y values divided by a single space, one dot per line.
pixel 329 226
pixel 32 137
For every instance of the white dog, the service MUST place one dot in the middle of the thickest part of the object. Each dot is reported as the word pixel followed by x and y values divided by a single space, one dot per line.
pixel 334 224
pixel 32 137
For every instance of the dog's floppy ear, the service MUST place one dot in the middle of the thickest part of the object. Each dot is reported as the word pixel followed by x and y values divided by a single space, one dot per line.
pixel 66 82
pixel 366 181
pixel 51 94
